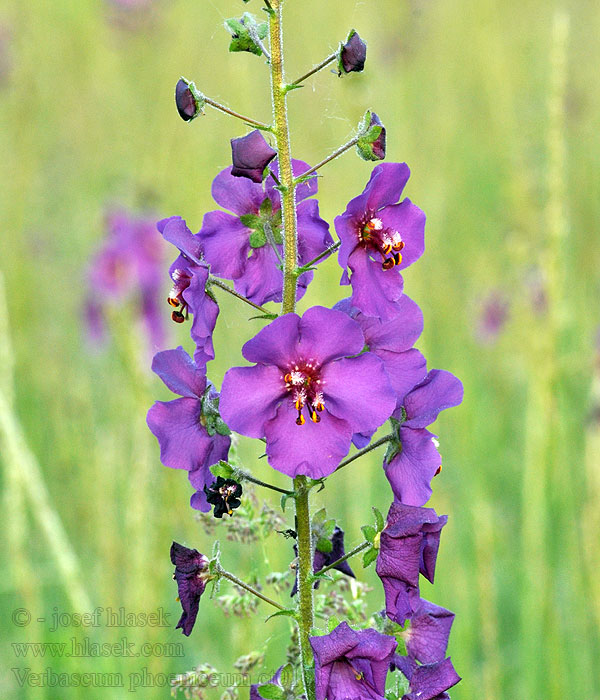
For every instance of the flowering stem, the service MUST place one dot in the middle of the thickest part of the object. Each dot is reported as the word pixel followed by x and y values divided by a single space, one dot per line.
pixel 314 261
pixel 248 477
pixel 333 156
pixel 217 282
pixel 347 556
pixel 360 453
pixel 222 108
pixel 316 69
pixel 288 204
pixel 241 584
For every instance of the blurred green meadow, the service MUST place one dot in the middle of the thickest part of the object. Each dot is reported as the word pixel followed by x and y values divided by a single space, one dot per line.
pixel 494 105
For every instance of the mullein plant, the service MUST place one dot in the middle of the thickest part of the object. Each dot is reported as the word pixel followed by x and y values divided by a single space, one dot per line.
pixel 314 386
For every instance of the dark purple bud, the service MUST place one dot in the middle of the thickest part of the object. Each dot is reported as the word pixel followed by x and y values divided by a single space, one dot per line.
pixel 191 574
pixel 371 143
pixel 250 156
pixel 188 100
pixel 352 54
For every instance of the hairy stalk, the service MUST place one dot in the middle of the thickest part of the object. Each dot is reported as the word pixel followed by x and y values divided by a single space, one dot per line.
pixel 360 453
pixel 226 110
pixel 288 205
pixel 314 261
pixel 247 587
pixel 316 69
pixel 248 477
pixel 225 287
pixel 341 560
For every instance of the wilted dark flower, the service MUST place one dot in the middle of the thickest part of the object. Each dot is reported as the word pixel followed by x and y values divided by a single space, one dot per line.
pixel 188 100
pixel 428 682
pixel 250 156
pixel 191 574
pixel 371 143
pixel 224 495
pixel 427 636
pixel 352 54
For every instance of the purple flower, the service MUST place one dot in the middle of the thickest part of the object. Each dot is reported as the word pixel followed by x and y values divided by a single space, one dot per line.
pixel 492 319
pixel 250 155
pixel 309 392
pixel 351 664
pixel 190 275
pixel 428 682
pixel 240 246
pixel 128 263
pixel 408 546
pixel 323 559
pixel 191 573
pixel 352 54
pixel 379 238
pixel 189 431
pixel 427 637
pixel 413 460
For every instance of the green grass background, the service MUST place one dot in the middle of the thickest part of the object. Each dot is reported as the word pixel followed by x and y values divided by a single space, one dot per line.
pixel 495 107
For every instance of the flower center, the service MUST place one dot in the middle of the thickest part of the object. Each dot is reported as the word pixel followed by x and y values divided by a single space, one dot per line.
pixel 380 239
pixel 303 382
pixel 181 281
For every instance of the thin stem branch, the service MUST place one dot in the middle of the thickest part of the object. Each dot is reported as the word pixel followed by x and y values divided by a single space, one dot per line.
pixel 231 113
pixel 324 254
pixel 225 287
pixel 316 69
pixel 364 451
pixel 248 477
pixel 333 156
pixel 347 556
pixel 257 40
pixel 241 584
pixel 271 239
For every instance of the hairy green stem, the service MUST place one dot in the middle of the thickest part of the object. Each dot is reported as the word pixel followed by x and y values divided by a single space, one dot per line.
pixel 290 263
pixel 247 587
pixel 225 287
pixel 316 69
pixel 248 477
pixel 360 453
pixel 314 261
pixel 226 110
pixel 341 560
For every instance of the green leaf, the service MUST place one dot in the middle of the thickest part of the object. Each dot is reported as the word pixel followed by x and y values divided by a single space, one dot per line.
pixel 319 517
pixel 378 519
pixel 286 677
pixel 270 692
pixel 324 545
pixel 369 557
pixel 221 427
pixel 332 623
pixel 369 532
pixel 258 239
pixel 266 208
pixel 250 220
pixel 284 500
pixel 328 528
pixel 222 469
pixel 241 40
pixel 282 613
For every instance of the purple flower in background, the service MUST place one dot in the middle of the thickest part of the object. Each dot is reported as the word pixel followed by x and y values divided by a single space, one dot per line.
pixel 129 263
pixel 427 636
pixel 307 394
pixel 378 238
pixel 413 459
pixel 492 319
pixel 190 274
pixel 428 682
pixel 250 156
pixel 351 664
pixel 189 430
pixel 322 559
pixel 191 573
pixel 408 546
pixel 242 246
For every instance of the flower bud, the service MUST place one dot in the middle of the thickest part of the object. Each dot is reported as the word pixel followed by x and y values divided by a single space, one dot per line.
pixel 371 143
pixel 352 54
pixel 250 156
pixel 241 37
pixel 189 101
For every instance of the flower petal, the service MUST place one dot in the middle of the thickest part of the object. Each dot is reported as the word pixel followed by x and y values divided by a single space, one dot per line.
pixel 405 370
pixel 175 231
pixel 312 449
pixel 358 390
pixel 179 372
pixel 439 390
pixel 249 398
pixel 226 243
pixel 275 344
pixel 326 334
pixel 237 194
pixel 375 291
pixel 262 280
pixel 385 187
pixel 409 221
pixel 205 311
pixel 313 232
pixel 396 334
pixel 427 638
pixel 304 190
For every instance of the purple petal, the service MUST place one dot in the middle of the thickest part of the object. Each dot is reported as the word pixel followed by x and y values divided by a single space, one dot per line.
pixel 184 443
pixel 237 194
pixel 304 190
pixel 405 370
pixel 358 390
pixel 409 221
pixel 179 372
pixel 375 291
pixel 249 398
pixel 410 473
pixel 347 228
pixel 275 344
pixel 326 334
pixel 396 334
pixel 362 439
pixel 262 280
pixel 250 156
pixel 226 243
pixel 385 187
pixel 439 390
pixel 427 637
pixel 312 449
pixel 205 311
pixel 175 231
pixel 431 545
pixel 313 232
pixel 430 681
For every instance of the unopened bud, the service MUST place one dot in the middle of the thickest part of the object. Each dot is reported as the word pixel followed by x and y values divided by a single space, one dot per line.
pixel 352 54
pixel 371 143
pixel 241 33
pixel 188 99
pixel 250 155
